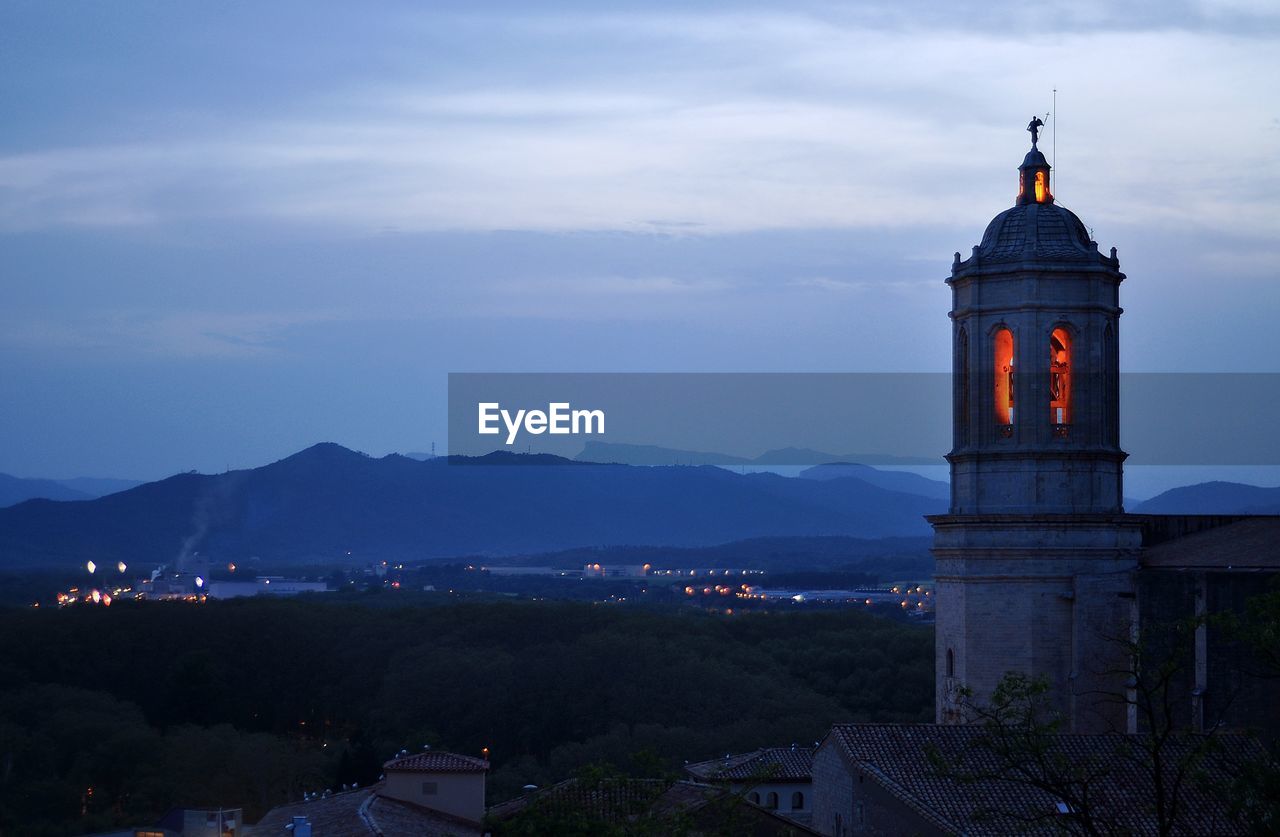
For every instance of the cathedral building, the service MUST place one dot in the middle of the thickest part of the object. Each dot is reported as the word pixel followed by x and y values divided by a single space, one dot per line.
pixel 1039 570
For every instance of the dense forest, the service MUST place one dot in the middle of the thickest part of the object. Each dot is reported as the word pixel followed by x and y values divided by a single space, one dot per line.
pixel 111 715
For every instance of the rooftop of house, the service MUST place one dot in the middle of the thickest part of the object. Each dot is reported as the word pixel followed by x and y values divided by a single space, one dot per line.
pixel 363 813
pixel 620 801
pixel 956 779
pixel 1243 543
pixel 777 764
pixel 437 761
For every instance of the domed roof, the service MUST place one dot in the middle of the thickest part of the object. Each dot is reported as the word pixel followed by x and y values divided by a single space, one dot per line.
pixel 1036 231
pixel 1034 159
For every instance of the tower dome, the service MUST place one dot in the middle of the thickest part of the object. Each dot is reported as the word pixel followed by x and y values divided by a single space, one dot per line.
pixel 1035 232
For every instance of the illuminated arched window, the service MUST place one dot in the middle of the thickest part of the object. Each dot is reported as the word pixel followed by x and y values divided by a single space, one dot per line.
pixel 1004 377
pixel 1110 394
pixel 962 388
pixel 1060 377
pixel 1042 186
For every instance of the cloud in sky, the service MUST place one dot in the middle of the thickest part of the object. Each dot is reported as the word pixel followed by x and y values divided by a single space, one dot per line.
pixel 752 121
pixel 318 210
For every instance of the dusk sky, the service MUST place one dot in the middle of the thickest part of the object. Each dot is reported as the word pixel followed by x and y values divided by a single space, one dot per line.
pixel 231 230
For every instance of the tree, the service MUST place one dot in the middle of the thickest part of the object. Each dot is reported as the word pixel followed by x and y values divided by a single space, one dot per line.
pixel 1185 775
pixel 1255 792
pixel 1019 744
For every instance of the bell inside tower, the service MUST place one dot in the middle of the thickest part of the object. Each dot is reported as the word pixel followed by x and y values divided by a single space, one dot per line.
pixel 1004 377
pixel 1060 377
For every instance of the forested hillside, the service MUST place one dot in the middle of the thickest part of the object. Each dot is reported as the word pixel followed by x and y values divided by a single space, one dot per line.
pixel 252 702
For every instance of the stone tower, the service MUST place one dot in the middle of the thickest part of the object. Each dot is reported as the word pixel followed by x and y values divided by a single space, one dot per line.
pixel 1035 558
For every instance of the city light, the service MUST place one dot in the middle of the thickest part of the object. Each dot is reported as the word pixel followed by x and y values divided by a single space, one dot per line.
pixel 91 567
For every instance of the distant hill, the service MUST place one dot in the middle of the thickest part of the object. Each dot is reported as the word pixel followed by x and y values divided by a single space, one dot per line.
pixel 890 480
pixel 1213 498
pixel 654 455
pixel 327 502
pixel 16 489
pixel 99 486
pixel 616 453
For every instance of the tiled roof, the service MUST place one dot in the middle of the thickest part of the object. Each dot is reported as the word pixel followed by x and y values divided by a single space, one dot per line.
pixel 362 813
pixel 780 764
pixel 395 817
pixel 971 798
pixel 1038 230
pixel 438 761
pixel 624 801
pixel 610 800
pixel 1249 543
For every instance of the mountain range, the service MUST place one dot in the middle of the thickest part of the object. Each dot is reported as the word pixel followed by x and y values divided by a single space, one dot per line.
pixel 625 454
pixel 328 503
pixel 1213 498
pixel 14 490
pixel 903 481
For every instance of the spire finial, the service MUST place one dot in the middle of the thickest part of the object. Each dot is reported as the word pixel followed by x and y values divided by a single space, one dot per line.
pixel 1034 127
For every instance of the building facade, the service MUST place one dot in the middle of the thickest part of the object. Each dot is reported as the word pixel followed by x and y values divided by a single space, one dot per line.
pixel 775 778
pixel 449 783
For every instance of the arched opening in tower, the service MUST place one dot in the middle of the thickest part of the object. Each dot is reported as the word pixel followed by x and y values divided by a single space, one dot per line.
pixel 1042 186
pixel 1004 377
pixel 1060 377
pixel 962 388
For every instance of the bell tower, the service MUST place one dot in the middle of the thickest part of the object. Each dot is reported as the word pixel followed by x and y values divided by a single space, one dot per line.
pixel 1035 557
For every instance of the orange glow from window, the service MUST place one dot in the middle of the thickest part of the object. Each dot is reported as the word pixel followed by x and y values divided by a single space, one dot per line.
pixel 1004 376
pixel 1060 377
pixel 1042 187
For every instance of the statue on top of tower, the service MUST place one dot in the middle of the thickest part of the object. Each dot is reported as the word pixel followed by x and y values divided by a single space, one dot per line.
pixel 1034 127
